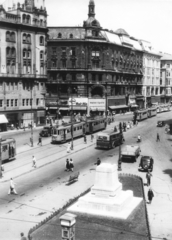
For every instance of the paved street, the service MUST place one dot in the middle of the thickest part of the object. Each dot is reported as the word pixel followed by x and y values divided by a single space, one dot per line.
pixel 43 190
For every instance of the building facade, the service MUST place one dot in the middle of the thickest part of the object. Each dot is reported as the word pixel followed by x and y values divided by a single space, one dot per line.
pixel 151 74
pixel 23 34
pixel 100 70
pixel 166 78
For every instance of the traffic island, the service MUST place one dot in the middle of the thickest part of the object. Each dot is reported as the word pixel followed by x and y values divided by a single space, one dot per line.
pixel 135 227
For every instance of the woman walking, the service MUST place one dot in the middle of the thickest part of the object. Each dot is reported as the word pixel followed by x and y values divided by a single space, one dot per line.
pixel 71 165
pixel 150 195
pixel 67 165
pixel 12 187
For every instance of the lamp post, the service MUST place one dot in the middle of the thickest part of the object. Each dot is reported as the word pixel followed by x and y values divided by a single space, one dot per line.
pixel 31 139
pixel 71 116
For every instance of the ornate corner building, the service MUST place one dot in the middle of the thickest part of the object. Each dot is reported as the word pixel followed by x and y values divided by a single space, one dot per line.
pixel 98 67
pixel 23 74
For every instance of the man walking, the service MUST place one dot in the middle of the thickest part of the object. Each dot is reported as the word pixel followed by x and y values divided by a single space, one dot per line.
pixel 150 195
pixel 2 170
pixel 39 140
pixel 148 177
pixel 158 138
pixel 12 187
pixel 34 161
pixel 85 138
pixel 92 137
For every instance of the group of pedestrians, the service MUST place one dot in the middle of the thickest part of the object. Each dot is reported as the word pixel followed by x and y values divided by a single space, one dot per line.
pixel 69 165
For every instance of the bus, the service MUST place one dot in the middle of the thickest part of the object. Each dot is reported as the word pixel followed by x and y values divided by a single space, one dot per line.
pixel 8 149
pixel 109 139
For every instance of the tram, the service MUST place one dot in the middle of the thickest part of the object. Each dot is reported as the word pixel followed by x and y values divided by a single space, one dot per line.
pixel 152 112
pixel 63 133
pixel 142 114
pixel 94 125
pixel 7 149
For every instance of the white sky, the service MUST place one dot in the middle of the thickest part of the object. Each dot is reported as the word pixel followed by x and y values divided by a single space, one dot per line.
pixel 150 20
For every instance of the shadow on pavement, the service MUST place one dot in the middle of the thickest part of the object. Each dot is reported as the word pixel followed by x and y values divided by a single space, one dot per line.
pixel 168 171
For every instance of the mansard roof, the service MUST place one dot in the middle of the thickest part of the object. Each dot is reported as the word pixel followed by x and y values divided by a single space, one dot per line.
pixel 91 22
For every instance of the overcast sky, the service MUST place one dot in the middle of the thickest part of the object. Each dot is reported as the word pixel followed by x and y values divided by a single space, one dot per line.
pixel 150 20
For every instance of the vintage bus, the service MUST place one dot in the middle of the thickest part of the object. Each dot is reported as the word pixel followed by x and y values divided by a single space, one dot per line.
pixel 109 139
pixel 8 149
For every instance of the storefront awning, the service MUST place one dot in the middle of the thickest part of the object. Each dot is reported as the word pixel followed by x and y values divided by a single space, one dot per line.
pixel 118 107
pixel 64 108
pixel 134 105
pixel 97 109
pixel 3 119
pixel 78 107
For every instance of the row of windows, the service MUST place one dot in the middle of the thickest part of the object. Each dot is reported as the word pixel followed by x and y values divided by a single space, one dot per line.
pixel 27 19
pixel 14 102
pixel 11 37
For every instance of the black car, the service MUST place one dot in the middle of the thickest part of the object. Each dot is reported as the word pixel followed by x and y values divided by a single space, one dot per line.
pixel 160 124
pixel 146 163
pixel 46 131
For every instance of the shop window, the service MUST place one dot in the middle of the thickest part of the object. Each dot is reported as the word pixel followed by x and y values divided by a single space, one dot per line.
pixel 37 101
pixel 27 102
pixel 1 103
pixel 41 55
pixel 59 35
pixel 12 102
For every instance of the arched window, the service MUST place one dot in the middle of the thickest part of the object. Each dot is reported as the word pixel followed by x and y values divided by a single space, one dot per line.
pixel 24 18
pixel 41 22
pixel 7 36
pixel 24 37
pixel 59 35
pixel 24 53
pixel 41 55
pixel 8 52
pixel 45 23
pixel 29 53
pixel 28 19
pixel 13 36
pixel 41 40
pixel 71 35
pixel 28 38
pixel 13 52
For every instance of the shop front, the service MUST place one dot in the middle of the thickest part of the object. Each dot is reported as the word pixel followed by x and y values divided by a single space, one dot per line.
pixel 140 101
pixel 3 123
pixel 117 105
pixel 78 106
pixel 96 107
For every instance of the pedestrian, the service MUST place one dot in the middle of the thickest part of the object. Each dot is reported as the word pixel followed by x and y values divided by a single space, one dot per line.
pixel 150 195
pixel 2 170
pixel 67 165
pixel 31 142
pixel 148 177
pixel 12 187
pixel 71 165
pixel 39 140
pixel 85 139
pixel 98 162
pixel 23 127
pixel 92 137
pixel 34 162
pixel 158 138
pixel 136 122
pixel 115 129
pixel 22 236
pixel 68 147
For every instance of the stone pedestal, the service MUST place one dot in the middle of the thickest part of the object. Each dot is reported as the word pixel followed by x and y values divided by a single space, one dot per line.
pixel 106 197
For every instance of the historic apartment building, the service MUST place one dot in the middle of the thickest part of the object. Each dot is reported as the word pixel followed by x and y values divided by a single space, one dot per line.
pixel 99 69
pixel 151 74
pixel 166 78
pixel 23 31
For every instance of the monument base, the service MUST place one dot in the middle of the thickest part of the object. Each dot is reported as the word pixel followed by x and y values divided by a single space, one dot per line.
pixel 119 206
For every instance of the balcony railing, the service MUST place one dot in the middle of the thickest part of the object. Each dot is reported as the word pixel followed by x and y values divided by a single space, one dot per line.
pixel 22 75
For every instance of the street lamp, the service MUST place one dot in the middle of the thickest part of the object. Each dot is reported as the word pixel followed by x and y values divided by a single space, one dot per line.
pixel 71 116
pixel 31 139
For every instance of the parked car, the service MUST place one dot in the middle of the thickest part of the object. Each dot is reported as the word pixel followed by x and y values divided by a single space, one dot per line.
pixel 160 124
pixel 46 131
pixel 130 153
pixel 146 163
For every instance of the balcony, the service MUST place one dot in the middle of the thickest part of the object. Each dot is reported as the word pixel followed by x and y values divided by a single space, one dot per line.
pixel 15 75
